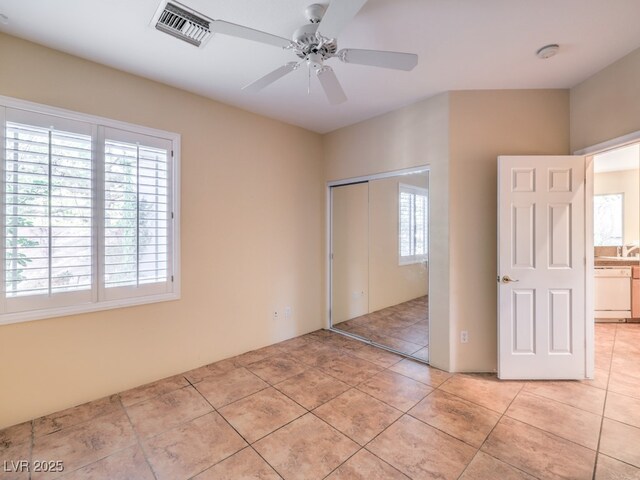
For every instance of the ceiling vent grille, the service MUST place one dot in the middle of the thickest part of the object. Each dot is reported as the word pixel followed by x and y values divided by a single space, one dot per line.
pixel 183 23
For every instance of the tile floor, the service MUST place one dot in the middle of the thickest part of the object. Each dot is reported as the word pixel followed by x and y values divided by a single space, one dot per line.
pixel 403 327
pixel 325 406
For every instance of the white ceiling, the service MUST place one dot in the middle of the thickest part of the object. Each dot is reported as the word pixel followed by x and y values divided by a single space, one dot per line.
pixel 619 159
pixel 462 44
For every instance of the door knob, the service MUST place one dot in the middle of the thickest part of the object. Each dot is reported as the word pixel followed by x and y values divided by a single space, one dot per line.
pixel 507 279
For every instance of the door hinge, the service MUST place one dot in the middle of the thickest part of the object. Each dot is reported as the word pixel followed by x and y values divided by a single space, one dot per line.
pixel 172 278
pixel 171 153
pixel 171 215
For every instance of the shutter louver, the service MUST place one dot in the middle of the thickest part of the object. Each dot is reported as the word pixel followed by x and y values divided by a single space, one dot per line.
pixel 136 220
pixel 48 211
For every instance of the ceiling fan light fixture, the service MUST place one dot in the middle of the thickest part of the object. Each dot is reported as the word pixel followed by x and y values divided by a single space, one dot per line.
pixel 548 51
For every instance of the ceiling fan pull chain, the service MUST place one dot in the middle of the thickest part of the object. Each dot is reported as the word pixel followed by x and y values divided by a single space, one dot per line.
pixel 309 78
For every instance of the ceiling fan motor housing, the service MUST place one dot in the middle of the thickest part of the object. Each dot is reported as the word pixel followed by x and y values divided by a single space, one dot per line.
pixel 308 41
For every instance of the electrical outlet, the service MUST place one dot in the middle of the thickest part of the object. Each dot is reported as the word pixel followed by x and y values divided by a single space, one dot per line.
pixel 276 315
pixel 287 313
pixel 464 336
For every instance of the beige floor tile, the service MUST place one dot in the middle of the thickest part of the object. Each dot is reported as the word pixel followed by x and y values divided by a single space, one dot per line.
pixel 277 368
pixel 306 449
pixel 159 414
pixel 568 422
pixel 316 354
pixel 350 369
pixel 244 465
pixel 459 418
pixel 343 342
pixel 358 415
pixel 75 415
pixel 421 451
pixel 312 388
pixel 624 384
pixel 217 368
pixel 600 380
pixel 294 343
pixel 193 447
pixel 623 409
pixel 11 461
pixel 15 435
pixel 377 356
pixel 128 464
pixel 259 354
pixel 154 389
pixel 396 390
pixel 539 453
pixel 85 443
pixel 225 388
pixel 620 441
pixel 366 466
pixel 421 372
pixel 402 346
pixel 261 413
pixel 483 389
pixel 572 393
pixel 612 469
pixel 486 467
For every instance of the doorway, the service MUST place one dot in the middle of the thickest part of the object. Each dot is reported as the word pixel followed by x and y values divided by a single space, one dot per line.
pixel 379 260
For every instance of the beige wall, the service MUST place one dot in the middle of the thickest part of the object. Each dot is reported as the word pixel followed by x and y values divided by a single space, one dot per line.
pixel 412 136
pixel 252 241
pixel 350 242
pixel 485 124
pixel 389 282
pixel 627 182
pixel 607 105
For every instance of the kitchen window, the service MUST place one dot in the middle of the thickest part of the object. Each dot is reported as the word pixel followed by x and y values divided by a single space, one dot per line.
pixel 88 213
pixel 413 224
pixel 608 212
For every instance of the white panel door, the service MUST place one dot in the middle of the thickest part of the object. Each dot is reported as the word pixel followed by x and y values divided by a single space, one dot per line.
pixel 541 267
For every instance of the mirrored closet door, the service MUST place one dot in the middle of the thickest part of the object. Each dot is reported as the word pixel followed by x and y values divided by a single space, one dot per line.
pixel 380 263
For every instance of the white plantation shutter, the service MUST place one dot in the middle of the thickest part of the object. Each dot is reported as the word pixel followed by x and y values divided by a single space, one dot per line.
pixel 87 211
pixel 413 224
pixel 48 192
pixel 136 213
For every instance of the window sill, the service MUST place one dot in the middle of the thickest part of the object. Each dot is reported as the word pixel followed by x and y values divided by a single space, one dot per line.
pixel 10 318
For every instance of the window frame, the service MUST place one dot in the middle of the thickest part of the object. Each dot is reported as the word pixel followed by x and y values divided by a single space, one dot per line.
pixel 622 214
pixel 412 259
pixel 98 302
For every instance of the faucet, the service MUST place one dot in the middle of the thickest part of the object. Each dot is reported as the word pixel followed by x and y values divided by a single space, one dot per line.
pixel 627 249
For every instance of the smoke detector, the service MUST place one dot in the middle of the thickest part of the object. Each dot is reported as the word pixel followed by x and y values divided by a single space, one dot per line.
pixel 548 51
pixel 182 22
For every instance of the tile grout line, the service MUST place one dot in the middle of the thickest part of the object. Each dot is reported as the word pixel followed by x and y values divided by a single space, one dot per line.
pixel 249 444
pixel 138 441
pixel 491 431
pixel 604 406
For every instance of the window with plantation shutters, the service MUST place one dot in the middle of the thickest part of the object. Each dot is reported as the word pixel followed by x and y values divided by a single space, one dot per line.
pixel 136 199
pixel 413 224
pixel 88 217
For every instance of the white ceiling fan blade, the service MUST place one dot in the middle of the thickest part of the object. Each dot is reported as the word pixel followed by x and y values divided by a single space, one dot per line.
pixel 269 78
pixel 226 28
pixel 339 13
pixel 331 85
pixel 378 58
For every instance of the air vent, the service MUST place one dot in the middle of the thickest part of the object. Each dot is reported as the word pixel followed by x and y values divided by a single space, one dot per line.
pixel 183 23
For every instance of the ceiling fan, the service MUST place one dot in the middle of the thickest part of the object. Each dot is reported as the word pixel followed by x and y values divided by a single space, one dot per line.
pixel 316 43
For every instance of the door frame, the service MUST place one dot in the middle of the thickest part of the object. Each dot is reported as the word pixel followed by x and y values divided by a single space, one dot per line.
pixel 589 153
pixel 329 247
